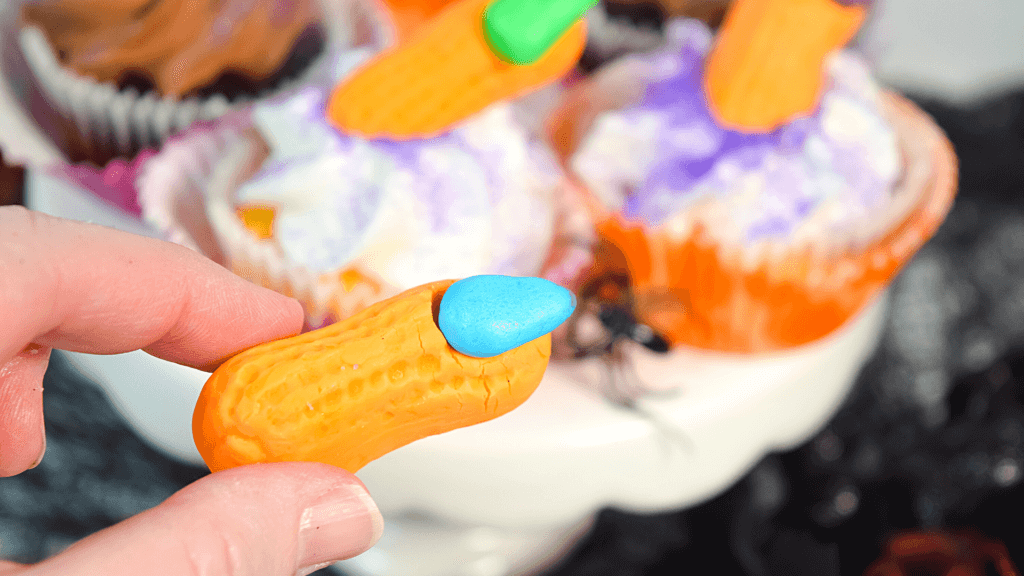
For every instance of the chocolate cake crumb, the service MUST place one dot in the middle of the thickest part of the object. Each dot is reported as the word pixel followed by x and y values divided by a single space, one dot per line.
pixel 12 183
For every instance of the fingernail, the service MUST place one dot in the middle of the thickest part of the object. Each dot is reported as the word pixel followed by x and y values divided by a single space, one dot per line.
pixel 342 524
pixel 42 452
pixel 33 350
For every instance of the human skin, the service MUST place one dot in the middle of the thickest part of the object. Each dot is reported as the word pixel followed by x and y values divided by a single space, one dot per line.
pixel 86 288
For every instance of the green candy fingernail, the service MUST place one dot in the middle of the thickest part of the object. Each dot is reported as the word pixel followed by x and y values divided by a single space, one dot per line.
pixel 522 31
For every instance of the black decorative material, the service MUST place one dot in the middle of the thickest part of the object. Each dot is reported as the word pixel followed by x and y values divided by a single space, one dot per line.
pixel 96 472
pixel 931 437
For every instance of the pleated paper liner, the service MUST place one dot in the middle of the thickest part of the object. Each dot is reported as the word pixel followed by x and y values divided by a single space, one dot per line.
pixel 698 291
pixel 187 191
pixel 97 121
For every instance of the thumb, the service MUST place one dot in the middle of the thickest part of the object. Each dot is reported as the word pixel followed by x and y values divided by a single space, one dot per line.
pixel 259 520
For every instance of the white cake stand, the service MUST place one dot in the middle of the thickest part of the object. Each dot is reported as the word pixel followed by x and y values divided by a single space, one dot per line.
pixel 510 495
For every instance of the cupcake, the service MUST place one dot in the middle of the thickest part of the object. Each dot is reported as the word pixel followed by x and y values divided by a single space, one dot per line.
pixel 283 199
pixel 112 78
pixel 752 213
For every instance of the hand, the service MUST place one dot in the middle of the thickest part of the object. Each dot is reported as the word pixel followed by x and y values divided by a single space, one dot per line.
pixel 90 289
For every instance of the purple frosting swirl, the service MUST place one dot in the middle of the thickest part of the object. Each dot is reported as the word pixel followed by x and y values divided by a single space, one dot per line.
pixel 842 152
pixel 682 99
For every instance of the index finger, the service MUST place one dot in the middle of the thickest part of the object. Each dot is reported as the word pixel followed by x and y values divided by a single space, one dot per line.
pixel 86 288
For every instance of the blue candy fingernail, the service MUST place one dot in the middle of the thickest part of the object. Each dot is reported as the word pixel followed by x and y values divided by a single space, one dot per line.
pixel 484 316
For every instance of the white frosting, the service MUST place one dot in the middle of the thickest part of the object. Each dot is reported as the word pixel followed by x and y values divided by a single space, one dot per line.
pixel 476 201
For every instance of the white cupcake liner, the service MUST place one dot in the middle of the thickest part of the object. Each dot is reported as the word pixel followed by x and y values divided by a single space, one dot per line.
pixel 124 121
pixel 172 186
pixel 206 168
pixel 323 295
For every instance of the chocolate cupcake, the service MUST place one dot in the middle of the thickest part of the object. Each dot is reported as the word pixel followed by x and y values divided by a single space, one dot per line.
pixel 119 76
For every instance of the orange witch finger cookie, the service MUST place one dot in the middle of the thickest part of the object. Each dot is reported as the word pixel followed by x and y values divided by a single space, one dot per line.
pixel 767 66
pixel 434 358
pixel 469 56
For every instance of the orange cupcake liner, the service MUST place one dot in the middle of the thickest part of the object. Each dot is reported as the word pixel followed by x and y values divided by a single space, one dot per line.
pixel 696 291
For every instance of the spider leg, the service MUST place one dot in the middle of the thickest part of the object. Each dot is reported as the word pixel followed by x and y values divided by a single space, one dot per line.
pixel 667 430
pixel 641 387
pixel 626 383
pixel 610 387
pixel 628 397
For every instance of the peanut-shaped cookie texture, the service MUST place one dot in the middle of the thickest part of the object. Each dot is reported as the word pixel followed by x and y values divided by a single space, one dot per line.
pixel 353 391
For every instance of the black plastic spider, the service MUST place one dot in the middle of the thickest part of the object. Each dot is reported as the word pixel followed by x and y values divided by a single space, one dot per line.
pixel 610 300
pixel 603 323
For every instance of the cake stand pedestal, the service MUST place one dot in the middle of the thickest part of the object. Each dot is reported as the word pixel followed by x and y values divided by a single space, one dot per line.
pixel 511 495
